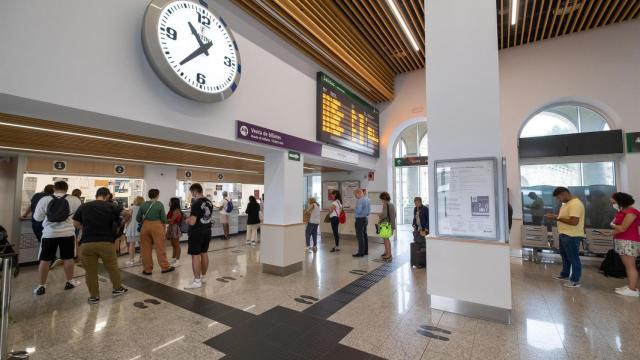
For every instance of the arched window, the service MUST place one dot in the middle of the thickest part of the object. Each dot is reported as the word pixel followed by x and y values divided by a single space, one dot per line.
pixel 564 119
pixel 423 150
pixel 592 179
pixel 401 149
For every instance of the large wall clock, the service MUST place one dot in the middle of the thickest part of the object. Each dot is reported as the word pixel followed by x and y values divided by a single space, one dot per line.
pixel 191 49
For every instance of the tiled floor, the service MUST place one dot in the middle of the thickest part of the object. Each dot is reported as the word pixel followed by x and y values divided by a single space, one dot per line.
pixel 550 322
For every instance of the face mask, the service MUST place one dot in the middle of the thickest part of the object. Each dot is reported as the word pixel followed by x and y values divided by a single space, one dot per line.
pixel 616 206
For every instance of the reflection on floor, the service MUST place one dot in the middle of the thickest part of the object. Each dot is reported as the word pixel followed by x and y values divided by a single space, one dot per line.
pixel 372 309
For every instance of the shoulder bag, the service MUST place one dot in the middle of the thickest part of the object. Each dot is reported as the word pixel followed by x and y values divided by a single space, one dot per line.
pixel 145 216
pixel 385 230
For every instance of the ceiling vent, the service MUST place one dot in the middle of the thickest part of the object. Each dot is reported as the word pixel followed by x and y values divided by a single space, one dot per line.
pixel 567 7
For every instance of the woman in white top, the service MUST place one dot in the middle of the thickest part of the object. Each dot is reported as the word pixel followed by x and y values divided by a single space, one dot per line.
pixel 334 215
pixel 313 214
pixel 132 232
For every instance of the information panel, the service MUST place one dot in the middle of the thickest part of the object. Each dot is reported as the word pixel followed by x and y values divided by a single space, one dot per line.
pixel 466 198
pixel 345 120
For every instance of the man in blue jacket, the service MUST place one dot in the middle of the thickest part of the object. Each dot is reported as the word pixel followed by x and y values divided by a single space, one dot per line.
pixel 420 221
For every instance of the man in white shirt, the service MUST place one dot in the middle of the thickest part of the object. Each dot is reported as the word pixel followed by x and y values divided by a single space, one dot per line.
pixel 224 214
pixel 56 213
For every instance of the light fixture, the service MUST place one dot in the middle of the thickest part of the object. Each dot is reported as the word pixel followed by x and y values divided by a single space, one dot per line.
pixel 403 24
pixel 126 159
pixel 514 11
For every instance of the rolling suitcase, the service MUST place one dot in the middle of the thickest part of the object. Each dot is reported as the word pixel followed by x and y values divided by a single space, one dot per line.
pixel 418 255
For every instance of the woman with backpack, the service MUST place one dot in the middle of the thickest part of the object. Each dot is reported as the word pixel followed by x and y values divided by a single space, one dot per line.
pixel 387 224
pixel 174 217
pixel 334 218
pixel 627 239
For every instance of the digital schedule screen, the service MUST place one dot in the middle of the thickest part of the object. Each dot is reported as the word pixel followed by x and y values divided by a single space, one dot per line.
pixel 345 120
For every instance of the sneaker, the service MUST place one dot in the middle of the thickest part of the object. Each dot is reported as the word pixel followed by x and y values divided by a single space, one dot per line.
pixel 628 292
pixel 168 270
pixel 195 284
pixel 40 290
pixel 248 242
pixel 253 243
pixel 561 278
pixel 314 249
pixel 119 291
pixel 71 284
pixel 94 300
pixel 173 261
pixel 56 263
pixel 571 284
pixel 130 262
pixel 622 287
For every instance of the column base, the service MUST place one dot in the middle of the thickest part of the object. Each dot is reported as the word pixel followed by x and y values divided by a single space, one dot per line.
pixel 281 270
pixel 466 308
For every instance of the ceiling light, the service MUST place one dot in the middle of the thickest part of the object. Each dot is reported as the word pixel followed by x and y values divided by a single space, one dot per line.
pixel 403 24
pixel 127 141
pixel 127 159
pixel 514 11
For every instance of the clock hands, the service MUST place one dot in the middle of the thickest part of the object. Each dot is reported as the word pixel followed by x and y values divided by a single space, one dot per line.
pixel 201 50
pixel 195 33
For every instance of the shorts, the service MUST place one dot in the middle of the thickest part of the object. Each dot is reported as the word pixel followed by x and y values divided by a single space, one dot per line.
pixel 198 243
pixel 627 247
pixel 224 218
pixel 133 239
pixel 49 247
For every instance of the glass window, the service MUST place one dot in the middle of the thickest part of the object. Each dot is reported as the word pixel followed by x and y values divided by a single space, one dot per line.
pixel 401 149
pixel 424 146
pixel 410 181
pixel 564 119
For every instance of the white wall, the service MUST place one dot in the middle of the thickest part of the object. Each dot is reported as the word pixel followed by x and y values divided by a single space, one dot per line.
pixel 162 178
pixel 600 68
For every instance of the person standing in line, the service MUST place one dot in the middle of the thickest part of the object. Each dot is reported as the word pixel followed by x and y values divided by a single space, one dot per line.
pixel 77 193
pixel 55 212
pixel 153 219
pixel 97 219
pixel 200 222
pixel 311 230
pixel 570 221
pixel 420 221
pixel 133 230
pixel 253 220
pixel 388 215
pixel 537 208
pixel 36 226
pixel 363 208
pixel 626 227
pixel 174 217
pixel 334 218
pixel 225 209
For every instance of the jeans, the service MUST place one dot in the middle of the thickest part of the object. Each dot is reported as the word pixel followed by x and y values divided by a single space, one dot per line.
pixel 335 222
pixel 569 246
pixel 311 231
pixel 361 235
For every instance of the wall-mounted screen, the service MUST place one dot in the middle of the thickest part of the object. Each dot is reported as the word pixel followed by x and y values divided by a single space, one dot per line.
pixel 345 120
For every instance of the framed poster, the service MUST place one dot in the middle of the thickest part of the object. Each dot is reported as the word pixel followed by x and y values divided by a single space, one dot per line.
pixel 348 198
pixel 327 189
pixel 466 200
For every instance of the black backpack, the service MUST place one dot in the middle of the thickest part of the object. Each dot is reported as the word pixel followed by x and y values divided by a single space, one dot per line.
pixel 612 265
pixel 58 209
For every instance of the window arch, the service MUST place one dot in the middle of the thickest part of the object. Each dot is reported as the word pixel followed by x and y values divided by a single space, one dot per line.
pixel 400 149
pixel 561 119
pixel 423 149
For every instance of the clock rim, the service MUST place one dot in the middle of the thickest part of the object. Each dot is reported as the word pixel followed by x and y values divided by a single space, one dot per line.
pixel 162 68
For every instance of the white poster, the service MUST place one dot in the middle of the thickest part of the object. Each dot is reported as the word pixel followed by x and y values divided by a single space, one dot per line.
pixel 347 189
pixel 466 198
pixel 327 193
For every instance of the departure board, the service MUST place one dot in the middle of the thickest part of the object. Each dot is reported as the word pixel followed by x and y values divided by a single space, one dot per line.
pixel 345 120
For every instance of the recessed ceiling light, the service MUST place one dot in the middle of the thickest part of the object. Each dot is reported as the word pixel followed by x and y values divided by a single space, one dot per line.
pixel 403 24
pixel 514 12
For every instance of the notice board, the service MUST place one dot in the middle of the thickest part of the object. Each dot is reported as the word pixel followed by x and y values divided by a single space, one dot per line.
pixel 467 198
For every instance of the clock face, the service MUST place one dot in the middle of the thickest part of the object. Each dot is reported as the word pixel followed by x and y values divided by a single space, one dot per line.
pixel 191 49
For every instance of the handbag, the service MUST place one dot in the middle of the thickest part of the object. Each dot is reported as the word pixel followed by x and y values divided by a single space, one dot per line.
pixel 144 217
pixel 384 228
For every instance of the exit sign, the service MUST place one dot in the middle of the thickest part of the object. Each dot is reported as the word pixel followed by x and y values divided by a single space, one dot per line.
pixel 294 155
pixel 633 142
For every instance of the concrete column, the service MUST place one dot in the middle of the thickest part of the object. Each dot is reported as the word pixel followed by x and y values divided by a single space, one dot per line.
pixel 163 178
pixel 282 248
pixel 465 276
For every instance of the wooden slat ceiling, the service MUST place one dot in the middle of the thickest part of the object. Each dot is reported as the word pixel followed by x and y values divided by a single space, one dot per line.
pixel 539 20
pixel 362 43
pixel 31 135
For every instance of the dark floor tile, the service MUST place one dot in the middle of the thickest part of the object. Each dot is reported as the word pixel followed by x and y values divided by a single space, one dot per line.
pixel 283 335
pixel 342 352
pixel 342 297
pixel 235 318
pixel 325 308
pixel 299 320
pixel 214 310
pixel 320 340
